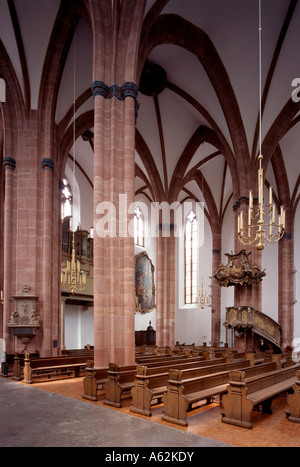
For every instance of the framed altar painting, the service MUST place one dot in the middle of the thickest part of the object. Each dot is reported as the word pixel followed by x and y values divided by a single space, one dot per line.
pixel 144 283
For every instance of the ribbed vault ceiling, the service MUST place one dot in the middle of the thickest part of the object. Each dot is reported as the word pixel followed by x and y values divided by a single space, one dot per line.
pixel 190 130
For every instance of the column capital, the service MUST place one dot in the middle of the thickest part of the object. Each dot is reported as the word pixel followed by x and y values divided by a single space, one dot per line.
pixel 287 236
pixel 48 164
pixel 9 163
pixel 128 89
pixel 243 201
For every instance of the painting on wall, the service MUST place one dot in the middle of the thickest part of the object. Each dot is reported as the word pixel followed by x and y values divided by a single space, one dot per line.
pixel 144 283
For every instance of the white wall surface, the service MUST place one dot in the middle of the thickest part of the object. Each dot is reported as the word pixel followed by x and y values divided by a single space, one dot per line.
pixel 79 326
pixel 192 324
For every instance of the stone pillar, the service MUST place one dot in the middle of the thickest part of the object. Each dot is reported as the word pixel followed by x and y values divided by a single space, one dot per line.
pixel 63 322
pixel 49 331
pixel 286 288
pixel 165 314
pixel 9 167
pixel 114 173
pixel 216 298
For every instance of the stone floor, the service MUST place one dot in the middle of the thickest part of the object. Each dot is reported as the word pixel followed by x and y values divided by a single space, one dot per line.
pixel 54 414
pixel 32 416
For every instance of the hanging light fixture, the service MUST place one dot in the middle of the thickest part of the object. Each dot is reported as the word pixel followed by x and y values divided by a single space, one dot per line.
pixel 73 279
pixel 261 227
pixel 204 300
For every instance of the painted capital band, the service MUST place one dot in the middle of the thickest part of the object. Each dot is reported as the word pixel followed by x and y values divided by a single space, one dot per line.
pixel 243 200
pixel 48 164
pixel 128 89
pixel 9 163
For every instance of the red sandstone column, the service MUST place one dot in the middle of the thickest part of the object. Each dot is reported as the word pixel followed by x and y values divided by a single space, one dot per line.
pixel 216 294
pixel 165 314
pixel 114 162
pixel 286 288
pixel 48 168
pixel 9 166
pixel 116 32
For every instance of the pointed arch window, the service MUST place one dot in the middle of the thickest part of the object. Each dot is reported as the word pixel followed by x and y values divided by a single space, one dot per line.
pixel 138 227
pixel 66 199
pixel 191 259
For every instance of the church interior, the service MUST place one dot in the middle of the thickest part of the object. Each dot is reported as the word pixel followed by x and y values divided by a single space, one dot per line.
pixel 150 217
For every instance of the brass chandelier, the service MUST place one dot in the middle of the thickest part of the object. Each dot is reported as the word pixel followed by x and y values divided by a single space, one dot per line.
pixel 73 279
pixel 204 300
pixel 258 231
pixel 261 227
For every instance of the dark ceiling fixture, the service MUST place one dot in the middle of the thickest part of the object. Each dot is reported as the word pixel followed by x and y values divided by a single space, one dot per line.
pixel 153 80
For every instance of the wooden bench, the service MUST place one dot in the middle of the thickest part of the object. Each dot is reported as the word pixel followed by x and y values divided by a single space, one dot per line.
pixel 41 369
pixel 244 393
pixel 119 382
pixel 10 366
pixel 150 386
pixel 19 364
pixel 95 378
pixel 183 392
pixel 293 400
pixel 78 352
pixel 159 358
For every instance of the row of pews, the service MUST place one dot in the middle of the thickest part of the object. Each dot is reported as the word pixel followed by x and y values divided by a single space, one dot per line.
pixel 178 378
pixel 181 378
pixel 31 368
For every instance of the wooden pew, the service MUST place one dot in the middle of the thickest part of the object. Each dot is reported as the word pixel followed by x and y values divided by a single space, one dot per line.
pixel 158 358
pixel 244 393
pixel 96 377
pixel 182 393
pixel 78 352
pixel 150 386
pixel 19 364
pixel 41 369
pixel 293 400
pixel 119 382
pixel 10 364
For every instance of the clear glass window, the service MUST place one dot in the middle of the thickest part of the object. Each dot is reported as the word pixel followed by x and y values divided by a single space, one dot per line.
pixel 66 199
pixel 138 227
pixel 191 259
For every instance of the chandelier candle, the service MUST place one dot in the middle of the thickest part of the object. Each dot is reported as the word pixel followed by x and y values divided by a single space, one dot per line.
pixel 255 231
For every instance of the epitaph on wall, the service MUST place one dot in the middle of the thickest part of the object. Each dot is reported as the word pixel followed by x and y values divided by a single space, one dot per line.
pixel 24 320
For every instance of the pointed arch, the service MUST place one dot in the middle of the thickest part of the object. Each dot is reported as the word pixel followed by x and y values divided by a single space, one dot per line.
pixel 172 29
